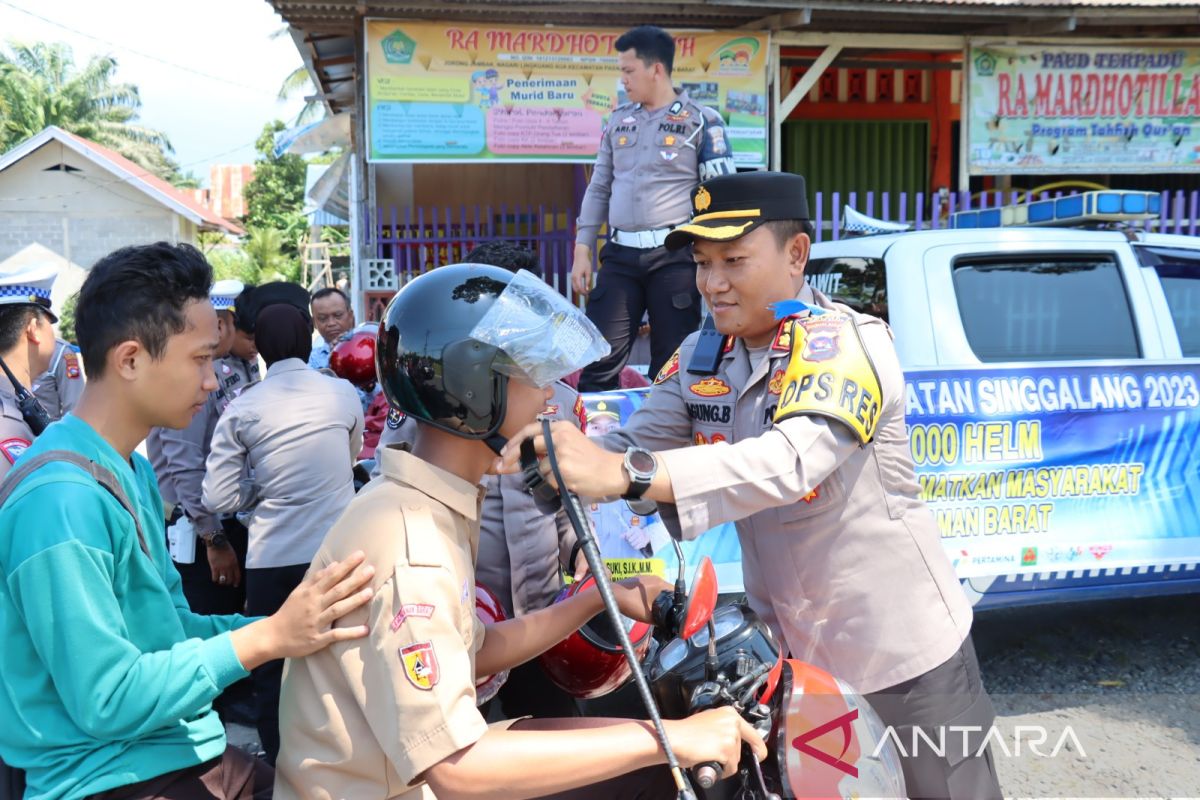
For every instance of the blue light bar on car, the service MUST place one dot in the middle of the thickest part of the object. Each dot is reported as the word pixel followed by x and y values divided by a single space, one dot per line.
pixel 1109 205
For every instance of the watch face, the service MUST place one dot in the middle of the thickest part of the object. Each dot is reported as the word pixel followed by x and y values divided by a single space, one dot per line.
pixel 641 461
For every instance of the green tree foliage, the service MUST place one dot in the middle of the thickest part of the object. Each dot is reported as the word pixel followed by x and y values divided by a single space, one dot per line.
pixel 66 320
pixel 264 247
pixel 275 198
pixel 235 263
pixel 40 85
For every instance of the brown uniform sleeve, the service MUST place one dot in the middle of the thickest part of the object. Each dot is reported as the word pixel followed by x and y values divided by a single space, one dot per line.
pixel 418 683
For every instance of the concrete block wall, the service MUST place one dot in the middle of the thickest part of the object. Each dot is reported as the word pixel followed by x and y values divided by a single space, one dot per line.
pixel 84 239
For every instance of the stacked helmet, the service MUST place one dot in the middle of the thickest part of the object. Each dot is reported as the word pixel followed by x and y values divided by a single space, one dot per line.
pixel 428 364
pixel 490 611
pixel 353 358
pixel 590 662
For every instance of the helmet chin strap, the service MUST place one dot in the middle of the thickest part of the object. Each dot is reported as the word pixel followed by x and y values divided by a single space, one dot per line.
pixel 496 442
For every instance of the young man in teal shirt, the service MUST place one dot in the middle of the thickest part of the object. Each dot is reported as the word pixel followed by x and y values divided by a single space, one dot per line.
pixel 108 676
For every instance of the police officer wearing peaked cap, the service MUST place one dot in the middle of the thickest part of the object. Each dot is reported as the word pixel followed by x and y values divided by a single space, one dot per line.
pixel 800 403
pixel 26 346
pixel 654 151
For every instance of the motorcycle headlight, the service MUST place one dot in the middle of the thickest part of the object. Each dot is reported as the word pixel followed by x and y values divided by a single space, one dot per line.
pixel 879 771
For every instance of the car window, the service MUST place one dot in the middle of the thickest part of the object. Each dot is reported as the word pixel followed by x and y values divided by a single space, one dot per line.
pixel 1179 273
pixel 1045 308
pixel 856 282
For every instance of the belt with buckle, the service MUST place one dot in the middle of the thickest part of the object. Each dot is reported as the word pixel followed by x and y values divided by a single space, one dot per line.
pixel 643 240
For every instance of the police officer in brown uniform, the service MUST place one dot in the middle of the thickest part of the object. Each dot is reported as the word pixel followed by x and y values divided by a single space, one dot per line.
pixel 654 151
pixel 396 716
pixel 26 346
pixel 797 405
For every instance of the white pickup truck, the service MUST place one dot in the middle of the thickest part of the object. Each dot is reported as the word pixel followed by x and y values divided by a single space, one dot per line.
pixel 1052 399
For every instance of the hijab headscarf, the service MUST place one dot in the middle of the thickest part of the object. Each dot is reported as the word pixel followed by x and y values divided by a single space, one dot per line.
pixel 282 331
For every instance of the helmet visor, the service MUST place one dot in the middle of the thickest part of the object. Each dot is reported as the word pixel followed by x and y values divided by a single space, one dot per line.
pixel 540 335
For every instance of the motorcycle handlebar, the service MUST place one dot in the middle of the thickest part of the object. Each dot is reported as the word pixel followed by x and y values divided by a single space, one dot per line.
pixel 707 774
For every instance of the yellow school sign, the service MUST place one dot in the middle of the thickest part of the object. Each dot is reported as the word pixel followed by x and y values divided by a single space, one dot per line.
pixel 462 92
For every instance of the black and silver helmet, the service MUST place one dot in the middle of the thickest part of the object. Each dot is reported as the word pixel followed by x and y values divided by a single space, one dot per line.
pixel 428 364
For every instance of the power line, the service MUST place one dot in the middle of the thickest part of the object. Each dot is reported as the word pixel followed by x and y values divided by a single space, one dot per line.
pixel 126 48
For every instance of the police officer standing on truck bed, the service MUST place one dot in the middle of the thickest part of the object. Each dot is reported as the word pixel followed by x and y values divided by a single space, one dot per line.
pixel 655 150
pixel 799 405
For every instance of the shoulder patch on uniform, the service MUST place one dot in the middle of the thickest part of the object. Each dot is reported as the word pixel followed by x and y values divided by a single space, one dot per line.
pixel 829 374
pixel 71 361
pixel 395 418
pixel 421 665
pixel 13 448
pixel 668 369
pixel 415 610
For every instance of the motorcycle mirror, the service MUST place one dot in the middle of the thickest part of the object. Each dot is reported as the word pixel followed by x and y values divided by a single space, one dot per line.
pixel 702 600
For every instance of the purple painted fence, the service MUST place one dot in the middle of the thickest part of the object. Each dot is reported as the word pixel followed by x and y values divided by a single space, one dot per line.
pixel 418 239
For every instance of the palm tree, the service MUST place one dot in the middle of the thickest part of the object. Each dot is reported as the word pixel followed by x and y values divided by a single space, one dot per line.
pixel 40 86
pixel 299 81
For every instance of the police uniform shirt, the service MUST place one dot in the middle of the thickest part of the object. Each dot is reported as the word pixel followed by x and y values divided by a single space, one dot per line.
pixel 649 162
pixel 58 389
pixel 522 550
pixel 365 718
pixel 15 433
pixel 839 556
pixel 235 374
pixel 299 432
pixel 179 457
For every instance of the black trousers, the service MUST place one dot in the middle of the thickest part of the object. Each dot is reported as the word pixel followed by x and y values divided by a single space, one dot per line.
pixel 204 596
pixel 266 589
pixel 630 283
pixel 950 694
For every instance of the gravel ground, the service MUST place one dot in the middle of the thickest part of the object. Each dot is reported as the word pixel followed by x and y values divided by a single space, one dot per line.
pixel 1124 675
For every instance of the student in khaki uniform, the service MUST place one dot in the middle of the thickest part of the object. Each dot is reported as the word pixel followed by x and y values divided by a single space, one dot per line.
pixel 523 551
pixel 59 387
pixel 799 411
pixel 26 346
pixel 396 716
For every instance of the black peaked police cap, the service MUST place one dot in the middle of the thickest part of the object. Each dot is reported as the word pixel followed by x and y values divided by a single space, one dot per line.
pixel 729 206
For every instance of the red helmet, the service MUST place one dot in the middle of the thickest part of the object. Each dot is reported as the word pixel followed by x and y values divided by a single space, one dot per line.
pixel 354 358
pixel 489 611
pixel 589 663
